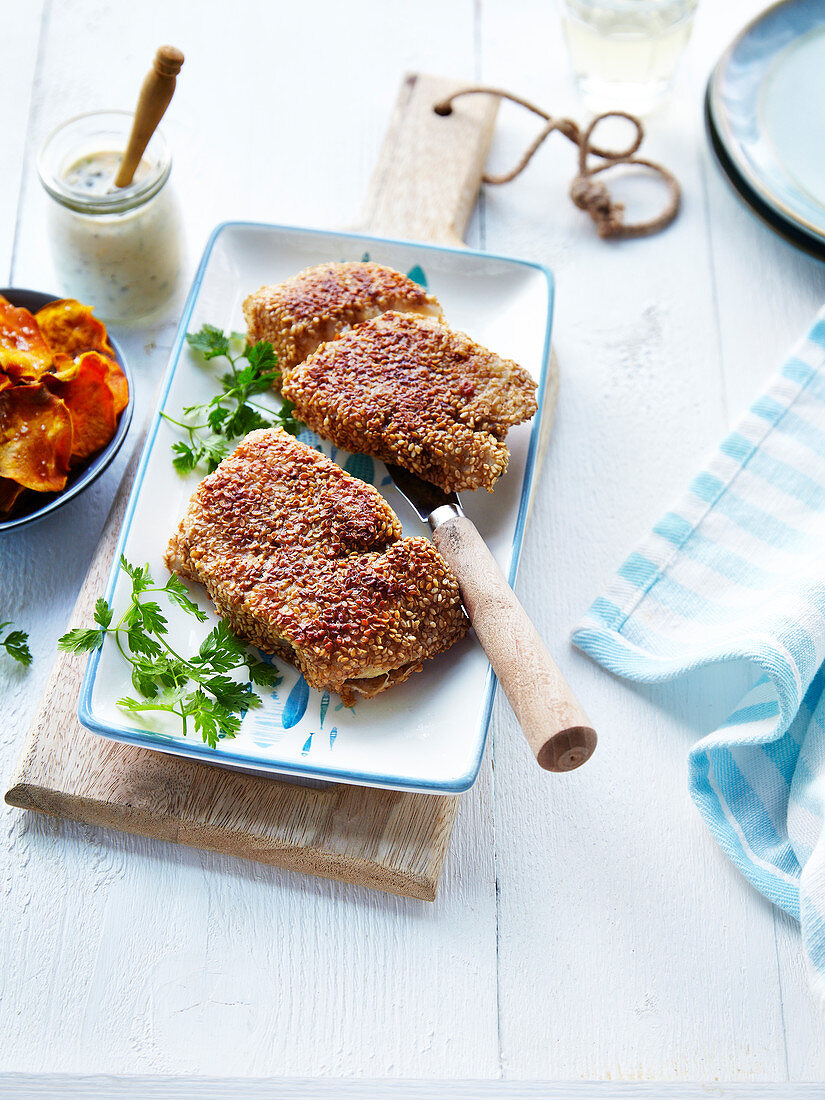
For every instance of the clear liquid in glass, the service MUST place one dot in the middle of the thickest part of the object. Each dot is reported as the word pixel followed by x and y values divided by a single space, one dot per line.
pixel 624 52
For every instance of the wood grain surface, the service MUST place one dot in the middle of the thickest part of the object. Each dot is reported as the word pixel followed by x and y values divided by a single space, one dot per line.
pixel 387 840
pixel 30 1087
pixel 429 171
pixel 587 930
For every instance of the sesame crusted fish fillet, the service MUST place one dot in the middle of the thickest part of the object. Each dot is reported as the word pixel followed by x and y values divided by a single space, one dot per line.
pixel 299 314
pixel 409 390
pixel 307 562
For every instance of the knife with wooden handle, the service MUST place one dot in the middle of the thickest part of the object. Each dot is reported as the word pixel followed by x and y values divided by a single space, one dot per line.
pixel 557 729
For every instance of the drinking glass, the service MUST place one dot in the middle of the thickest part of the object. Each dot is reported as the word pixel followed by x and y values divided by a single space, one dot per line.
pixel 624 52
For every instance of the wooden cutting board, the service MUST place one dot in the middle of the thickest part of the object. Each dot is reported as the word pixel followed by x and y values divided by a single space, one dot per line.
pixel 424 188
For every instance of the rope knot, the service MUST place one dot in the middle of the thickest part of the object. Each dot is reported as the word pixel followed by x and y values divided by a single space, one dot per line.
pixel 589 194
pixel 593 197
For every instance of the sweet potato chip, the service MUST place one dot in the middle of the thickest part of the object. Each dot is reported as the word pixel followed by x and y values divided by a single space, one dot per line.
pixel 9 492
pixel 35 437
pixel 24 354
pixel 63 369
pixel 116 381
pixel 70 327
pixel 91 405
pixel 115 378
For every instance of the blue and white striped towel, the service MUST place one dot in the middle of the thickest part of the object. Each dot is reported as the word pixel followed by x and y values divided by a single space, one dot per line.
pixel 737 571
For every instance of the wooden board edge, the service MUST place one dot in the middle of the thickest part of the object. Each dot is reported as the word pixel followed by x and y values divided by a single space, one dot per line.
pixel 354 871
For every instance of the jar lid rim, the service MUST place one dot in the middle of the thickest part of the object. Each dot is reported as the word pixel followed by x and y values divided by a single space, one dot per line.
pixel 118 200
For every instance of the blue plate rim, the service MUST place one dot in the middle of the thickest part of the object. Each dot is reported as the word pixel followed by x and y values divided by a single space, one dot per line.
pixel 794 234
pixel 202 753
pixel 99 462
pixel 727 135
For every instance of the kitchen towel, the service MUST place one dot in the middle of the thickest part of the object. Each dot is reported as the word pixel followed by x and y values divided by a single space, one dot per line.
pixel 736 570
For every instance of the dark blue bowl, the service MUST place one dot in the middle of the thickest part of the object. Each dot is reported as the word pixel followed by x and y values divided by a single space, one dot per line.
pixel 37 505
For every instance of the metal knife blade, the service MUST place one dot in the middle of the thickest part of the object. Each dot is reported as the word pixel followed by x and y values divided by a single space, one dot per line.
pixel 426 499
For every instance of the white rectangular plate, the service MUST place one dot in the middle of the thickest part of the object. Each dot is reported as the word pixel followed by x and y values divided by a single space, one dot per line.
pixel 429 733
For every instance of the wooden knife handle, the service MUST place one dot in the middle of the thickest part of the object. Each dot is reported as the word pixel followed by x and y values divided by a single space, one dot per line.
pixel 556 727
pixel 158 89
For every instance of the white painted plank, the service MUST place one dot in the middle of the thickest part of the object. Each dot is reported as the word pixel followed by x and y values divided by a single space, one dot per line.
pixel 629 947
pixel 18 55
pixel 127 956
pixel 29 1087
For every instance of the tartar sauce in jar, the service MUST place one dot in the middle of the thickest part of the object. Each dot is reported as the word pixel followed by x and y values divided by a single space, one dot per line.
pixel 116 249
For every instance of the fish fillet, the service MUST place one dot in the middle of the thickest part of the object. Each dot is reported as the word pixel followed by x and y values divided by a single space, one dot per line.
pixel 308 563
pixel 299 314
pixel 409 390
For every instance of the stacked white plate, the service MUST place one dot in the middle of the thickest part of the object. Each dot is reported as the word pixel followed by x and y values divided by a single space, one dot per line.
pixel 765 110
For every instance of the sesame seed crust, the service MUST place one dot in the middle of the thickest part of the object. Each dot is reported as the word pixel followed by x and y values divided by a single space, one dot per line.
pixel 308 563
pixel 409 390
pixel 299 314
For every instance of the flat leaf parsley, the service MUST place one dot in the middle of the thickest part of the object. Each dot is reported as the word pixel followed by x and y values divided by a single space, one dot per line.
pixel 232 413
pixel 16 644
pixel 196 689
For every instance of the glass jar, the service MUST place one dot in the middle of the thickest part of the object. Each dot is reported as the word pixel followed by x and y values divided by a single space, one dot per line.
pixel 116 249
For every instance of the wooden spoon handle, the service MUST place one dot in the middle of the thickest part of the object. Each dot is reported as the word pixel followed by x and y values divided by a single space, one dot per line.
pixel 556 727
pixel 158 88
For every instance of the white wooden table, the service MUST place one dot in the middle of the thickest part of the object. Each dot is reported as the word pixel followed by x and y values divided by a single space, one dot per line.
pixel 587 928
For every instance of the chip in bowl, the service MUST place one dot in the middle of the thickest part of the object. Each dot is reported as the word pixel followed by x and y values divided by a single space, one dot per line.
pixel 91 406
pixel 62 393
pixel 115 378
pixel 35 437
pixel 24 353
pixel 69 326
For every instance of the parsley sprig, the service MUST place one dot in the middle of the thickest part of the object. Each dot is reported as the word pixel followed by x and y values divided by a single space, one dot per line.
pixel 197 689
pixel 16 644
pixel 231 413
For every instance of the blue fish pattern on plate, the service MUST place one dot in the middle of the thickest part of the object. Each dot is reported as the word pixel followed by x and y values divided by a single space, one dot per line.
pixel 296 704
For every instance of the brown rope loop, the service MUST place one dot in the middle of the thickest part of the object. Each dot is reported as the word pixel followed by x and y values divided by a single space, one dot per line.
pixel 588 194
pixel 612 224
pixel 586 146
